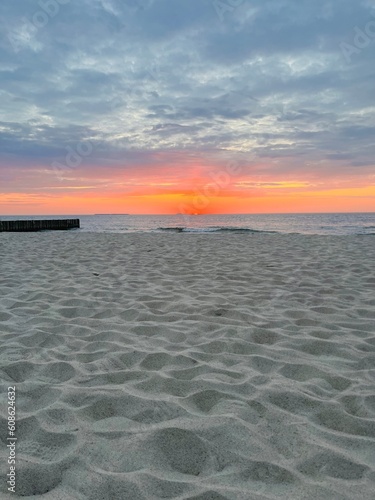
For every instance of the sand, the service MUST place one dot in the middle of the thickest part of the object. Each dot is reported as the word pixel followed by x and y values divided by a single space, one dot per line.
pixel 187 366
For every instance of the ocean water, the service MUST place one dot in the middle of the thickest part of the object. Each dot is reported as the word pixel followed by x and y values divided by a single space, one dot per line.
pixel 329 224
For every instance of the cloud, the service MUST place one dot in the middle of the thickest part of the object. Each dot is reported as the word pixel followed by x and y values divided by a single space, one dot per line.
pixel 267 80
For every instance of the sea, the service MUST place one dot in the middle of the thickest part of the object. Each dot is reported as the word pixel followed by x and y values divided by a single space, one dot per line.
pixel 325 224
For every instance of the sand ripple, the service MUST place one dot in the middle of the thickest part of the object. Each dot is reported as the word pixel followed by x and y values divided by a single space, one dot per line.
pixel 189 367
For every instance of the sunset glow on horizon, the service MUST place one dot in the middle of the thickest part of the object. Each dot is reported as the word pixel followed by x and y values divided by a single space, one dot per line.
pixel 211 190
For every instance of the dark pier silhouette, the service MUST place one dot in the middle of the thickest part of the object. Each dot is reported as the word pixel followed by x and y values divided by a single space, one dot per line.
pixel 39 225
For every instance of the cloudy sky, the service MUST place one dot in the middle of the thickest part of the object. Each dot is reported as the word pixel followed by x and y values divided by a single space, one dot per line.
pixel 202 106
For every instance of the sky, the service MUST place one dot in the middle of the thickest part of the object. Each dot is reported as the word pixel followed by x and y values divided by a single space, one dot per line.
pixel 187 106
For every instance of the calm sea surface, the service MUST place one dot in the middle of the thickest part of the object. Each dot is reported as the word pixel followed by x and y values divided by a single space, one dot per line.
pixel 338 224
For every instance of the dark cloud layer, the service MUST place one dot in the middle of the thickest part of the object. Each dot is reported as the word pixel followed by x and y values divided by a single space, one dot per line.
pixel 218 78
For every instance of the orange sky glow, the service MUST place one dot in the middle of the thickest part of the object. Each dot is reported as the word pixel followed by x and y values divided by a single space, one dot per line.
pixel 196 189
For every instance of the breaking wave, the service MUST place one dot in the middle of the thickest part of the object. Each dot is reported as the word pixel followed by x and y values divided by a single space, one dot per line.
pixel 215 229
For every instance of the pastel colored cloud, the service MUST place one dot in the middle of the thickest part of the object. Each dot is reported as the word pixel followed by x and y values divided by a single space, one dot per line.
pixel 142 103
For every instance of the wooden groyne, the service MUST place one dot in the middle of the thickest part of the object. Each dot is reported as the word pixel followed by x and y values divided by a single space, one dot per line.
pixel 38 225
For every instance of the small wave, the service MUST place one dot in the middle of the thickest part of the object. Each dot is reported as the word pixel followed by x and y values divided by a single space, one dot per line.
pixel 171 229
pixel 212 230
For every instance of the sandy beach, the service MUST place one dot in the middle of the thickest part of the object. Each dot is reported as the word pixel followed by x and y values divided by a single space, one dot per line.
pixel 189 367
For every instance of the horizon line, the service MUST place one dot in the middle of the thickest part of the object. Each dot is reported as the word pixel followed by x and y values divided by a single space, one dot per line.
pixel 185 215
